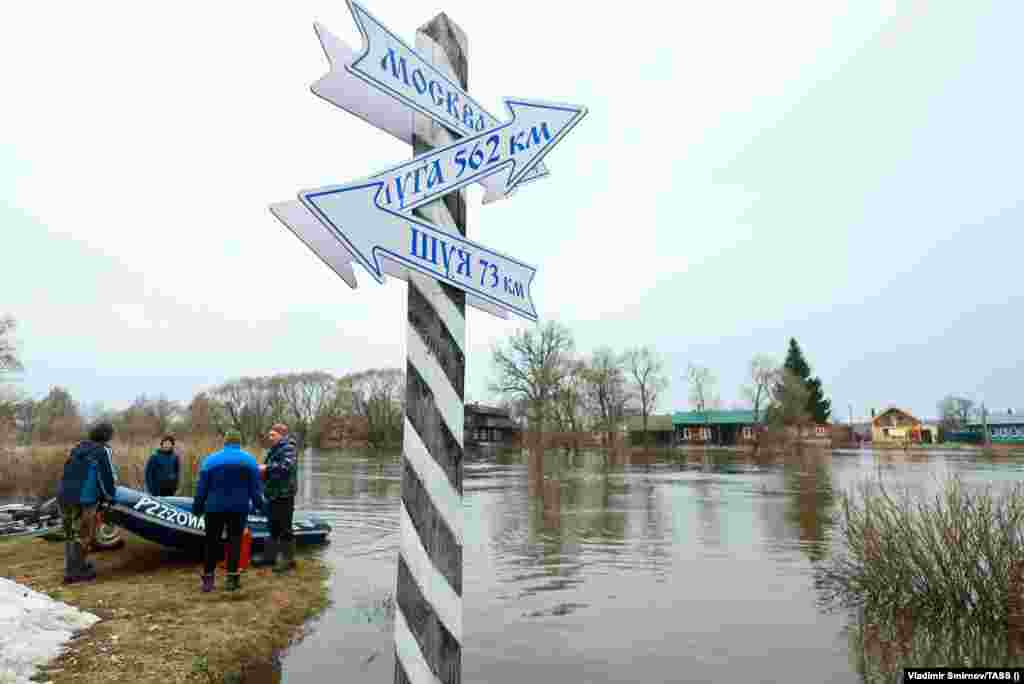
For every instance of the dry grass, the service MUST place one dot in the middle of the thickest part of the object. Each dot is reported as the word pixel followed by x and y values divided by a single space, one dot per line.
pixel 155 624
pixel 35 472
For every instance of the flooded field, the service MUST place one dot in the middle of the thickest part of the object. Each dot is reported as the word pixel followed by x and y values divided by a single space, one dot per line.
pixel 589 567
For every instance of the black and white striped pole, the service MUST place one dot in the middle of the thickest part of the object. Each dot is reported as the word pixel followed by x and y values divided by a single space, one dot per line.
pixel 428 596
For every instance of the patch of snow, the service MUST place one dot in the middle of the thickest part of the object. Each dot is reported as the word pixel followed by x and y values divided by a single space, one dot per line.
pixel 33 630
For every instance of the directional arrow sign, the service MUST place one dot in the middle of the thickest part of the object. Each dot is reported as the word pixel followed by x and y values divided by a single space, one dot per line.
pixel 324 242
pixel 395 70
pixel 503 155
pixel 372 232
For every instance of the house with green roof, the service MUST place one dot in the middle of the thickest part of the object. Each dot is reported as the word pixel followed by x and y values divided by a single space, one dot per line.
pixel 726 427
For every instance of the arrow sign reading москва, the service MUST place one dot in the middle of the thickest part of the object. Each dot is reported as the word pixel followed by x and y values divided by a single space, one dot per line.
pixel 397 72
pixel 372 216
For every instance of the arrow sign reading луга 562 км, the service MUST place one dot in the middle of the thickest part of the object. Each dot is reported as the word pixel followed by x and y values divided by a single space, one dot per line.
pixel 372 217
pixel 388 72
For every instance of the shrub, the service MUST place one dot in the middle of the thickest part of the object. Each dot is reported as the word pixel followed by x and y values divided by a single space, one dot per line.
pixel 950 559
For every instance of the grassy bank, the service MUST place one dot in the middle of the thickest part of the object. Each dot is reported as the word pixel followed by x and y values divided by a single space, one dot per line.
pixel 155 624
pixel 35 471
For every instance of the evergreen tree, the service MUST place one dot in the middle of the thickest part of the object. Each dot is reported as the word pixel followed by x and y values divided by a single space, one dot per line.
pixel 819 408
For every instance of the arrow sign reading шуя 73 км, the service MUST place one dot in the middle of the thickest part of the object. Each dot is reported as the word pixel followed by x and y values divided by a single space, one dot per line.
pixel 372 217
pixel 394 72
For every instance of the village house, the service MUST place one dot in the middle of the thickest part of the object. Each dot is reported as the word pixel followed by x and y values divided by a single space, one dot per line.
pixel 490 426
pixel 1005 426
pixel 896 426
pixel 718 427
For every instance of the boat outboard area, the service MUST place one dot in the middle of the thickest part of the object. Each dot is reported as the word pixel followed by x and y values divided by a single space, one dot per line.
pixel 169 520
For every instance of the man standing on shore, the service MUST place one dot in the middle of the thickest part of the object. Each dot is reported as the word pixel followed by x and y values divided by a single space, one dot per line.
pixel 229 482
pixel 282 475
pixel 163 469
pixel 88 480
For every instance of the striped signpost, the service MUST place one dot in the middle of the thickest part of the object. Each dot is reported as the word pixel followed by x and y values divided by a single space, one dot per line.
pixel 428 596
pixel 409 222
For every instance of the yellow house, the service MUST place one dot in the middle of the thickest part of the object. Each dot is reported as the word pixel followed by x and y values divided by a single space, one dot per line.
pixel 896 426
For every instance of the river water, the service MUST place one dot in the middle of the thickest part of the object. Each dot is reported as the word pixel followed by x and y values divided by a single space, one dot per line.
pixel 591 567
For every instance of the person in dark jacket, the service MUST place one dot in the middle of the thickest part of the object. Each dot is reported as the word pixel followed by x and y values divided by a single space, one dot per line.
pixel 229 487
pixel 88 480
pixel 281 470
pixel 163 469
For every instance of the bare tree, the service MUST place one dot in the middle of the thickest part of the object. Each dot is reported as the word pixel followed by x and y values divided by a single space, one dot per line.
pixel 204 415
pixel 702 389
pixel 376 395
pixel 763 374
pixel 531 365
pixel 607 389
pixel 571 396
pixel 649 380
pixel 56 417
pixel 311 399
pixel 9 361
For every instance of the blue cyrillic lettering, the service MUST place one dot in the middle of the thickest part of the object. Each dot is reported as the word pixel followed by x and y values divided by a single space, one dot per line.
pixel 467 115
pixel 453 99
pixel 416 82
pixel 515 144
pixel 535 134
pixel 465 259
pixel 438 96
pixel 435 177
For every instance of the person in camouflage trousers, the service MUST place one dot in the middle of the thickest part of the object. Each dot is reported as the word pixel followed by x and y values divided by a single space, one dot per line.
pixel 88 480
pixel 281 470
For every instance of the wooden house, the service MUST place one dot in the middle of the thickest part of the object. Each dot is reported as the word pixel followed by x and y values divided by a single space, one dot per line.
pixel 896 426
pixel 725 428
pixel 490 426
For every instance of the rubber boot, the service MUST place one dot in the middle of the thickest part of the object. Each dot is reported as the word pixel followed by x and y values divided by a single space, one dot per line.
pixel 87 567
pixel 207 584
pixel 69 563
pixel 290 554
pixel 269 552
pixel 79 571
pixel 285 561
pixel 233 582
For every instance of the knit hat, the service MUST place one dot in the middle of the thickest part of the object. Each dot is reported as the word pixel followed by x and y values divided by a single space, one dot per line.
pixel 232 437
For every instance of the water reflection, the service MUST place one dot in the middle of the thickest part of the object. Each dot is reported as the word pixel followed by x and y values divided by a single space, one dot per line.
pixel 881 646
pixel 611 566
pixel 812 499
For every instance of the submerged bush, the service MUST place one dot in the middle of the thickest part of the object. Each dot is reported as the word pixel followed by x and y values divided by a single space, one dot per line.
pixel 957 556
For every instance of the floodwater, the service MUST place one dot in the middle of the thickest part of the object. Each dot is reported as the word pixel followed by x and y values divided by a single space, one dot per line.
pixel 593 567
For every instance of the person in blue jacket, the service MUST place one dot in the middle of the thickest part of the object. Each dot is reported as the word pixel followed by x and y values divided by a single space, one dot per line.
pixel 88 480
pixel 229 487
pixel 163 469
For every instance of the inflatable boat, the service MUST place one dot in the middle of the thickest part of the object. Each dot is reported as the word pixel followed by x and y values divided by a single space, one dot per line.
pixel 168 520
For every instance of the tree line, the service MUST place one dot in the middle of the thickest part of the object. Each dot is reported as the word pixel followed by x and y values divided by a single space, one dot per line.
pixel 538 374
pixel 367 404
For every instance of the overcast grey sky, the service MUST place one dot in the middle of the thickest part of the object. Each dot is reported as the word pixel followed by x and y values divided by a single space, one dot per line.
pixel 845 173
